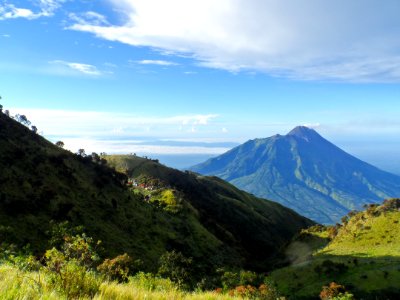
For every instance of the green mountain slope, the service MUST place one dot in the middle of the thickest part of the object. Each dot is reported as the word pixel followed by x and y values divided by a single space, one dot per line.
pixel 216 224
pixel 362 254
pixel 305 172
pixel 249 224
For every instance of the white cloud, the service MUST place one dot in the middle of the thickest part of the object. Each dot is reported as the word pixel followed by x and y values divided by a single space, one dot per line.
pixel 89 17
pixel 312 125
pixel 9 11
pixel 85 69
pixel 340 40
pixel 157 62
pixel 120 146
pixel 117 132
pixel 64 122
pixel 224 130
pixel 46 8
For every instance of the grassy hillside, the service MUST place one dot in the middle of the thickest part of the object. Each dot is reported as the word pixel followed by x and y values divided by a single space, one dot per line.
pixel 363 255
pixel 216 224
pixel 245 222
pixel 41 184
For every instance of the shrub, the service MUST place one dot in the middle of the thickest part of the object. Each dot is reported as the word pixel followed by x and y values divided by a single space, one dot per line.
pixel 58 232
pixel 175 266
pixel 81 248
pixel 332 291
pixel 231 279
pixel 116 268
pixel 268 290
pixel 20 258
pixel 265 291
pixel 330 268
pixel 69 269
pixel 332 231
pixel 70 277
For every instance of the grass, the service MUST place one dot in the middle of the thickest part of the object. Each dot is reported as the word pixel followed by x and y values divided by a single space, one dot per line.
pixel 17 284
pixel 368 236
pixel 365 256
pixel 130 291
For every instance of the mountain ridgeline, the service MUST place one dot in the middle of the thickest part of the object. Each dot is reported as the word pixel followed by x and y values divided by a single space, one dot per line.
pixel 215 223
pixel 305 172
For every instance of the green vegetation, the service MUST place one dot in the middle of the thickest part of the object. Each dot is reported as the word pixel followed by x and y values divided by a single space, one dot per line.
pixel 48 193
pixel 17 284
pixel 363 255
pixel 235 217
pixel 69 272
pixel 168 234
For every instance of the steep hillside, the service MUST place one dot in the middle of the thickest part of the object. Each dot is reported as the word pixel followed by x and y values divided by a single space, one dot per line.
pixel 305 172
pixel 254 226
pixel 216 224
pixel 363 254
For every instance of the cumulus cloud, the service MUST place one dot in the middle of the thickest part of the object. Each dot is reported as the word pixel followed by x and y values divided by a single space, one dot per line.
pixel 44 8
pixel 354 41
pixel 85 69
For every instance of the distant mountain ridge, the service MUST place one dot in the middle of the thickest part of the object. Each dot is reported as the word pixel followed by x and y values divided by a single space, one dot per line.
pixel 305 172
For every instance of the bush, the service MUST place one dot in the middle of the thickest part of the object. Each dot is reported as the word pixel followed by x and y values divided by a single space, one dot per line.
pixel 59 231
pixel 69 270
pixel 230 280
pixel 333 231
pixel 70 277
pixel 332 291
pixel 116 268
pixel 265 291
pixel 81 248
pixel 20 258
pixel 175 266
pixel 330 268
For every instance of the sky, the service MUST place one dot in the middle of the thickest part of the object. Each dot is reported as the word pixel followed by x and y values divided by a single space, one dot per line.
pixel 185 80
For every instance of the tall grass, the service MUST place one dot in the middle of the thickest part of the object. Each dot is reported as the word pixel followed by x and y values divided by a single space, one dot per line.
pixel 129 291
pixel 16 284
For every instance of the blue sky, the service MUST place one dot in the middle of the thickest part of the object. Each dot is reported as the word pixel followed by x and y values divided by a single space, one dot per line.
pixel 197 77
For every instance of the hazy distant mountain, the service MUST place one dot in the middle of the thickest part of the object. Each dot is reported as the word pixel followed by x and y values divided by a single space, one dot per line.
pixel 305 172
